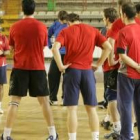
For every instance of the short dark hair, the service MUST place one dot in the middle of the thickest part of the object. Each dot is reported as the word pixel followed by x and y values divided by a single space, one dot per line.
pixel 28 7
pixel 111 14
pixel 129 9
pixel 62 15
pixel 121 2
pixel 73 17
pixel 138 7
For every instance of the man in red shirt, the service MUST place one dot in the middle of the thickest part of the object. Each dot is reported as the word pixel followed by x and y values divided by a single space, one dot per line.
pixel 129 72
pixel 28 37
pixel 80 40
pixel 4 50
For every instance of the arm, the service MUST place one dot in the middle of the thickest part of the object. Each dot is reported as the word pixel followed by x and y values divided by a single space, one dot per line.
pixel 50 33
pixel 106 51
pixel 130 62
pixel 57 57
pixel 111 60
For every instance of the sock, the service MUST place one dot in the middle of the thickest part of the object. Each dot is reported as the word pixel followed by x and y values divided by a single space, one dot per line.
pixel 0 105
pixel 52 131
pixel 132 127
pixel 6 133
pixel 95 135
pixel 107 118
pixel 72 136
pixel 117 126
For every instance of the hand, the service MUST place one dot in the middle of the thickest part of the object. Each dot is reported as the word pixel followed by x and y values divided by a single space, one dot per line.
pixel 94 67
pixel 64 67
pixel 1 52
pixel 138 68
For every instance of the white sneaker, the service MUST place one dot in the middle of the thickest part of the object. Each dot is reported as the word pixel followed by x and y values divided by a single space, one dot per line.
pixel 1 111
pixel 53 103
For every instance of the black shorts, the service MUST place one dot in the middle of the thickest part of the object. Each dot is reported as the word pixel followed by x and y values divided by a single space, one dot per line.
pixel 33 80
pixel 112 79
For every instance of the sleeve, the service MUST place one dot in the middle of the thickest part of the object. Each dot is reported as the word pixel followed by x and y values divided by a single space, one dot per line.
pixel 6 44
pixel 60 38
pixel 11 40
pixel 50 33
pixel 100 39
pixel 121 45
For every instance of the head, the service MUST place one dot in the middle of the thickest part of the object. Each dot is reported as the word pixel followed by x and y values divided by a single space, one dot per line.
pixel 138 10
pixel 121 2
pixel 109 16
pixel 28 7
pixel 62 16
pixel 128 12
pixel 73 18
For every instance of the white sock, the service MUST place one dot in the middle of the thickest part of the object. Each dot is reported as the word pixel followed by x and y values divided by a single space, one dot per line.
pixel 107 118
pixel 72 136
pixel 95 135
pixel 117 126
pixel 6 133
pixel 0 105
pixel 52 131
pixel 133 127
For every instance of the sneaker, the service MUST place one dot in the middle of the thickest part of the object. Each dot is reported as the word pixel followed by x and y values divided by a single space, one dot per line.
pixel 114 135
pixel 1 111
pixel 52 138
pixel 132 136
pixel 102 104
pixel 8 138
pixel 53 103
pixel 106 125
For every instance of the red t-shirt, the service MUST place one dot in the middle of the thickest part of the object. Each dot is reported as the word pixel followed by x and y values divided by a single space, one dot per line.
pixel 129 43
pixel 80 41
pixel 4 46
pixel 116 27
pixel 28 38
pixel 106 66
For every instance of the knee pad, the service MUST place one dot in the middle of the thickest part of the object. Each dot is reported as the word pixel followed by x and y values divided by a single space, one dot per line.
pixel 111 94
pixel 14 103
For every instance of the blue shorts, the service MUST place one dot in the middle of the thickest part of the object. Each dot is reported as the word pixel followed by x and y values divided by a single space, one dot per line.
pixel 3 77
pixel 76 80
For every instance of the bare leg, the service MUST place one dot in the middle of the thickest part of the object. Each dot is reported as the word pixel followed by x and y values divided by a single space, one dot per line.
pixel 93 118
pixel 1 92
pixel 44 102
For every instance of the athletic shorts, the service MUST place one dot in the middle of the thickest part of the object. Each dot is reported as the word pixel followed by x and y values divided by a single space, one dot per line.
pixel 3 77
pixel 112 79
pixel 111 84
pixel 79 80
pixel 34 81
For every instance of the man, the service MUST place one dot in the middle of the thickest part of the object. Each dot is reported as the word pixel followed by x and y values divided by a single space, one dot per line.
pixel 4 50
pixel 113 39
pixel 28 37
pixel 54 73
pixel 110 76
pixel 129 73
pixel 80 40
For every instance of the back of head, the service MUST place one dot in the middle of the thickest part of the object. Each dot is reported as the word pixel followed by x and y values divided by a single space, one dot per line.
pixel 121 2
pixel 111 14
pixel 129 10
pixel 62 15
pixel 73 17
pixel 28 7
pixel 138 8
